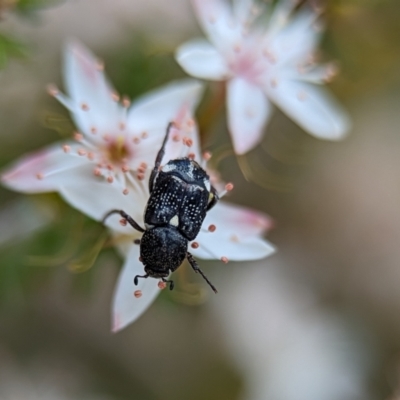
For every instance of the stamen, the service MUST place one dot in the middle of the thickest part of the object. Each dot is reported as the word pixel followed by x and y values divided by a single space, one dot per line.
pixel 136 140
pixel 52 90
pixel 190 123
pixel 115 96
pixel 207 155
pixel 39 176
pixel 125 191
pixel 106 137
pixel 126 102
pixel 110 179
pixel 234 239
pixel 212 228
pixel 137 293
pixel 123 222
pixel 82 152
pixel 162 285
pixel 143 165
pixel 229 186
pixel 125 168
pixel 176 138
pixel 224 260
pixel 140 177
pixel 195 245
pixel 144 135
pixel 78 136
pixel 191 156
pixel 66 148
pixel 85 107
pixel 90 156
pixel 93 130
pixel 97 171
pixel 187 141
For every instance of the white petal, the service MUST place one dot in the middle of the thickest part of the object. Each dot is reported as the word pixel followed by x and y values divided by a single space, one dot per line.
pixel 237 235
pixel 95 199
pixel 280 15
pixel 88 87
pixel 126 307
pixel 214 246
pixel 248 113
pixel 153 112
pixel 201 59
pixel 217 20
pixel 43 171
pixel 312 108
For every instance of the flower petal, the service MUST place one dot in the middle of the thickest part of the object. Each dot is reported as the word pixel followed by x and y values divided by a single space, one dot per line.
pixel 126 306
pixel 201 59
pixel 216 19
pixel 248 113
pixel 153 111
pixel 90 92
pixel 95 199
pixel 219 244
pixel 237 235
pixel 43 171
pixel 312 108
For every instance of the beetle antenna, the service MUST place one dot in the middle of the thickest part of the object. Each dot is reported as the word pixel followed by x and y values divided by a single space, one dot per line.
pixel 196 268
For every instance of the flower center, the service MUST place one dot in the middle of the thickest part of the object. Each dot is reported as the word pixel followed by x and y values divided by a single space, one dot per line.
pixel 118 151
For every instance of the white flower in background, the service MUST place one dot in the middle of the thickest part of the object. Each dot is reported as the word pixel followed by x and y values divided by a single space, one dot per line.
pixel 108 166
pixel 265 57
pixel 116 142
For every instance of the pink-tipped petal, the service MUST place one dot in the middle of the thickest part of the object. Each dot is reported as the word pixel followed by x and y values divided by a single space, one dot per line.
pixel 201 59
pixel 312 107
pixel 248 114
pixel 131 301
pixel 43 171
pixel 90 92
pixel 153 111
pixel 236 234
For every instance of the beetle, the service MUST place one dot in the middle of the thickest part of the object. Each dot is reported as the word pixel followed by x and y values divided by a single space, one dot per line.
pixel 180 197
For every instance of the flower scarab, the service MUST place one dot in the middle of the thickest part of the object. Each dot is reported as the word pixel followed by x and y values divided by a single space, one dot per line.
pixel 180 196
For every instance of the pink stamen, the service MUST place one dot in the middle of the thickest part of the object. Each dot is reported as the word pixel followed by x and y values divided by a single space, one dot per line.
pixel 162 285
pixel 110 179
pixel 78 136
pixel 39 176
pixel 82 152
pixel 137 293
pixel 224 260
pixel 229 187
pixel 212 228
pixel 123 222
pixel 195 245
pixel 125 192
pixel 85 107
pixel 66 148
pixel 52 90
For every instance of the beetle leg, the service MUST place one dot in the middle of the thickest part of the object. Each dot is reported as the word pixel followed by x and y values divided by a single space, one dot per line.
pixel 123 214
pixel 159 157
pixel 171 283
pixel 136 279
pixel 214 199
pixel 196 268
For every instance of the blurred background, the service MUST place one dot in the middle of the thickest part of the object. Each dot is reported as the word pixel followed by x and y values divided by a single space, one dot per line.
pixel 320 320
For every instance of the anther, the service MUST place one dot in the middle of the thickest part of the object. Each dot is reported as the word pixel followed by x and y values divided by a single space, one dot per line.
pixel 82 152
pixel 123 222
pixel 110 179
pixel 195 245
pixel 190 123
pixel 212 228
pixel 115 96
pixel 52 90
pixel 234 239
pixel 78 136
pixel 144 135
pixel 162 285
pixel 224 260
pixel 97 171
pixel 140 177
pixel 125 192
pixel 136 140
pixel 191 156
pixel 90 156
pixel 66 148
pixel 126 102
pixel 187 141
pixel 125 168
pixel 141 170
pixel 207 155
pixel 229 187
pixel 137 293
pixel 176 138
pixel 93 130
pixel 39 176
pixel 143 165
pixel 84 107
pixel 100 65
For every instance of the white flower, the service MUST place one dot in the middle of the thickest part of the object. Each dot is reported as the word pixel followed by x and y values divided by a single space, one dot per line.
pixel 110 165
pixel 116 144
pixel 263 64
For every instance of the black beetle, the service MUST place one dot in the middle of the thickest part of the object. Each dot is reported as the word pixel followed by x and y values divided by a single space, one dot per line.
pixel 180 196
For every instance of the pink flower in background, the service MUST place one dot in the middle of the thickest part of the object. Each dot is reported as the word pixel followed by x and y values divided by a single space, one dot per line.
pixel 264 57
pixel 116 142
pixel 108 166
